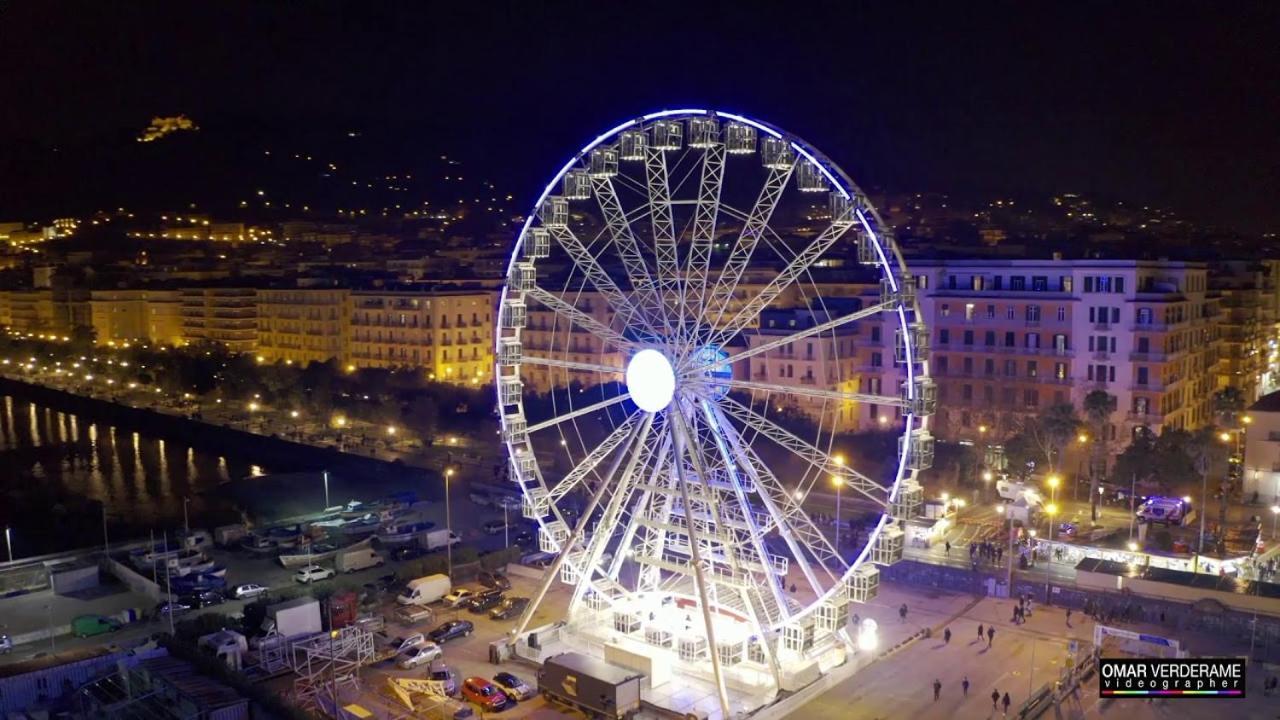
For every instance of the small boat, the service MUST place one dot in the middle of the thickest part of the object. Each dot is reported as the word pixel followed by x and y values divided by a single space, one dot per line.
pixel 286 537
pixel 259 544
pixel 366 525
pixel 299 557
pixel 403 530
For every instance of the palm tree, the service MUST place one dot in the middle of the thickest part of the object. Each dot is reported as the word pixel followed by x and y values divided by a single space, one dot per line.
pixel 1098 407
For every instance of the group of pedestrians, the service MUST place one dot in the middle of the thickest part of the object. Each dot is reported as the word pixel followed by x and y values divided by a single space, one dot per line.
pixel 986 552
pixel 1023 609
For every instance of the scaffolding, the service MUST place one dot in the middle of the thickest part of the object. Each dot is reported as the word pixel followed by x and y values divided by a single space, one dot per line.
pixel 328 664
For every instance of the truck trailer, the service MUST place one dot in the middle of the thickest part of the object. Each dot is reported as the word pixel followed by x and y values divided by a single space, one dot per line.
pixel 593 686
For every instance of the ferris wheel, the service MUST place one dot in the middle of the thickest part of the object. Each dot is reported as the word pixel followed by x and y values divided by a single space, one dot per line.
pixel 672 277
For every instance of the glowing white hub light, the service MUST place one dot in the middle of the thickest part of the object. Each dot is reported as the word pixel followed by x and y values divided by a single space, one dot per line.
pixel 650 380
pixel 868 637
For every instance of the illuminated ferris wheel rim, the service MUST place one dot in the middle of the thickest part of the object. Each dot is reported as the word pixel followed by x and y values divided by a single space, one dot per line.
pixel 888 258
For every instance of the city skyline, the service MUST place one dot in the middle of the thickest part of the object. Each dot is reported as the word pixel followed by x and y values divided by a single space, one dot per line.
pixel 995 101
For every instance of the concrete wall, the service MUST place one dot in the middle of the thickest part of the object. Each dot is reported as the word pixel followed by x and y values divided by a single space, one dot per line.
pixel 133 580
pixel 74 579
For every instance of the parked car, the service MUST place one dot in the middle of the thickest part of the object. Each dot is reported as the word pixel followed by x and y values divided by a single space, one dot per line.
pixel 513 687
pixel 509 608
pixel 408 552
pixel 494 527
pixel 524 537
pixel 494 579
pixel 408 641
pixel 482 601
pixel 90 625
pixel 206 598
pixel 483 693
pixel 249 590
pixel 442 673
pixel 457 597
pixel 174 607
pixel 313 573
pixel 481 499
pixel 450 630
pixel 417 655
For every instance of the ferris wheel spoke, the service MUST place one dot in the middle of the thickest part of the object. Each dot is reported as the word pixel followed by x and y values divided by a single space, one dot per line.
pixel 740 257
pixel 577 317
pixel 785 513
pixel 628 248
pixel 642 505
pixel 596 407
pixel 590 267
pixel 751 310
pixel 611 443
pixel 814 392
pixel 824 463
pixel 750 352
pixel 704 232
pixel 664 240
pixel 570 365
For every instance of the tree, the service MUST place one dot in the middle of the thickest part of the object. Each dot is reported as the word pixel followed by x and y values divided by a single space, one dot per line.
pixel 1052 430
pixel 1098 407
pixel 1227 403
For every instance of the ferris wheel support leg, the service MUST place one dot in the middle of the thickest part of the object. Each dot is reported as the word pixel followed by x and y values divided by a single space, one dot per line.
pixel 554 570
pixel 680 435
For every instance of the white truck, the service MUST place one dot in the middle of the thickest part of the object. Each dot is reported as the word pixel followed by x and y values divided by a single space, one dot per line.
pixel 1012 491
pixel 438 539
pixel 425 590
pixel 597 688
pixel 354 560
pixel 292 618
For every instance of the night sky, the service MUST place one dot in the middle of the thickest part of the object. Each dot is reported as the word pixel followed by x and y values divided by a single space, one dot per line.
pixel 1165 103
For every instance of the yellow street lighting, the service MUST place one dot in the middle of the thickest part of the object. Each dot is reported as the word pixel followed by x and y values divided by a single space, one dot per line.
pixel 945 497
pixel 837 481
pixel 1133 546
pixel 1054 481
pixel 1246 419
pixel 987 476
pixel 1082 438
pixel 982 429
pixel 1225 437
pixel 391 429
pixel 1186 499
pixel 1032 532
pixel 839 460
pixel 1051 509
pixel 959 502
pixel 293 414
pixel 339 421
pixel 253 407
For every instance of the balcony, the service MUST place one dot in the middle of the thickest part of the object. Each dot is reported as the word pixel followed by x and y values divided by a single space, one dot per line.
pixel 1149 327
pixel 1101 355
pixel 1148 357
pixel 1104 326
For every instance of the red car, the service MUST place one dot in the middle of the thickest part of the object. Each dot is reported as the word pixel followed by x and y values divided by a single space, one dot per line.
pixel 484 693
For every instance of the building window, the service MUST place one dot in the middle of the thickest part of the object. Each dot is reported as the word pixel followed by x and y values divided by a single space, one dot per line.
pixel 1142 376
pixel 1144 316
pixel 1032 370
pixel 966 393
pixel 1010 313
pixel 877 360
pixel 988 367
pixel 1062 313
pixel 1040 283
pixel 991 312
pixel 1030 398
pixel 989 338
pixel 968 366
pixel 1033 341
pixel 875 333
pixel 1119 284
pixel 942 364
pixel 1060 371
pixel 945 310
pixel 1017 282
pixel 968 337
pixel 1033 313
pixel 1064 283
pixel 1088 283
pixel 944 336
pixel 1010 339
pixel 975 282
pixel 1011 368
pixel 968 312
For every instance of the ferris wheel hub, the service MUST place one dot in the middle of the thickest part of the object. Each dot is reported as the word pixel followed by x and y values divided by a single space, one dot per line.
pixel 651 380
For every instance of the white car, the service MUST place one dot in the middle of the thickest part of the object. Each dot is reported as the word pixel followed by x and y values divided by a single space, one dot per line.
pixel 458 596
pixel 419 655
pixel 312 573
pixel 249 590
pixel 409 641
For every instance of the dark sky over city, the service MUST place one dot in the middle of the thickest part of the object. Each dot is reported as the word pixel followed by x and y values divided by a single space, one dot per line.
pixel 1171 103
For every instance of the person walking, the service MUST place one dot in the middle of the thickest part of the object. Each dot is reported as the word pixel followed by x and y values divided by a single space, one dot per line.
pixel 981 632
pixel 937 689
pixel 964 685
pixel 946 636
pixel 902 613
pixel 948 548
pixel 1005 702
pixel 991 635
pixel 1068 617
pixel 995 699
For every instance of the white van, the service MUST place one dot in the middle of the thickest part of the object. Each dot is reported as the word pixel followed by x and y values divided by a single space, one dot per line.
pixel 1167 510
pixel 352 560
pixel 425 590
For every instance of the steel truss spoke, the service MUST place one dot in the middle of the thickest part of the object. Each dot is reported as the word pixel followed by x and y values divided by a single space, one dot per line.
pixel 590 267
pixel 751 310
pixel 824 463
pixel 588 465
pixel 578 413
pixel 664 240
pixel 740 257
pixel 814 392
pixel 609 519
pixel 855 316
pixel 560 306
pixel 615 566
pixel 570 365
pixel 704 231
pixel 789 518
pixel 619 227
pixel 552 572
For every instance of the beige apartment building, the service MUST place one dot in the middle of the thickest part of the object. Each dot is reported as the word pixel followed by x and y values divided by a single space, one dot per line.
pixel 302 325
pixel 447 333
pixel 224 315
pixel 119 316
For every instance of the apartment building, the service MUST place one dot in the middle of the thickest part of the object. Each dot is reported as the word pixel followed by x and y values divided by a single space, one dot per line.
pixel 1012 337
pixel 224 315
pixel 1248 329
pixel 302 325
pixel 33 311
pixel 119 316
pixel 447 333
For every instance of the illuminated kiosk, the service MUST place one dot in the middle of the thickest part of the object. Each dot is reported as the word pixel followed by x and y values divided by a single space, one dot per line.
pixel 658 301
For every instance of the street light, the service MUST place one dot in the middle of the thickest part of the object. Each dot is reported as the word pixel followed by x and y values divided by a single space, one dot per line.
pixel 391 429
pixel 839 483
pixel 1051 510
pixel 8 544
pixel 448 520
